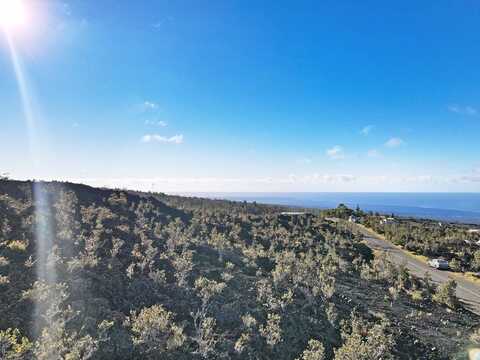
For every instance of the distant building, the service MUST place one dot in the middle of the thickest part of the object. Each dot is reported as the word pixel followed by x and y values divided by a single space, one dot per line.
pixel 352 219
pixel 388 221
pixel 294 213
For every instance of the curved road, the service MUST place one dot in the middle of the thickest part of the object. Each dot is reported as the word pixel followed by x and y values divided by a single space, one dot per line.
pixel 467 291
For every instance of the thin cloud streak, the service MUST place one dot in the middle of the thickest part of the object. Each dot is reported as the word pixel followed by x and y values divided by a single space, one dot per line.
pixel 336 153
pixel 394 142
pixel 316 182
pixel 176 139
pixel 160 123
pixel 149 105
pixel 374 153
pixel 304 161
pixel 463 110
pixel 366 130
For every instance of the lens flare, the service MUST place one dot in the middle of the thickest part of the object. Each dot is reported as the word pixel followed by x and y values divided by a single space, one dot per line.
pixel 474 354
pixel 25 98
pixel 12 13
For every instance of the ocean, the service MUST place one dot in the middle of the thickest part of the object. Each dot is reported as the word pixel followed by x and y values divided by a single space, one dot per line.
pixel 455 207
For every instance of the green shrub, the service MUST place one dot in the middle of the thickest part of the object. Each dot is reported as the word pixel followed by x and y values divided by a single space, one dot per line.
pixel 445 294
pixel 365 341
pixel 314 351
pixel 18 245
pixel 154 330
pixel 455 265
pixel 13 345
pixel 416 295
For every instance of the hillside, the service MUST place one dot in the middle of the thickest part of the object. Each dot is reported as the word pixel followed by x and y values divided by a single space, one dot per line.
pixel 151 276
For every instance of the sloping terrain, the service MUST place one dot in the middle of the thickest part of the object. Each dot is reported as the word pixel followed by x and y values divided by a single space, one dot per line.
pixel 152 276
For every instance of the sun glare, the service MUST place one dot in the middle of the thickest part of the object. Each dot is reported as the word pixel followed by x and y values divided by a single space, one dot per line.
pixel 12 13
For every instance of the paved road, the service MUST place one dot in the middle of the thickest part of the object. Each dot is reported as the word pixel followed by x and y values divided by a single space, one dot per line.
pixel 467 291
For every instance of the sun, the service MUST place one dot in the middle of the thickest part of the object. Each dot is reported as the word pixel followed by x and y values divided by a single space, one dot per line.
pixel 12 14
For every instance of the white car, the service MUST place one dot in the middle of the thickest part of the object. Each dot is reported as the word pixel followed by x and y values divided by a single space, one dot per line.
pixel 439 264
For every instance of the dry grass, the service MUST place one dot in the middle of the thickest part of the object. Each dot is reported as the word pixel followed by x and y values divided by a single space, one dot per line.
pixel 421 258
pixel 469 276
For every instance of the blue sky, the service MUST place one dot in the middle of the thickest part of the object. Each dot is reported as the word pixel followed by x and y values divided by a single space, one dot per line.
pixel 247 95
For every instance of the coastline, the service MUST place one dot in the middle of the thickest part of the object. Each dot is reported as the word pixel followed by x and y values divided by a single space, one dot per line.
pixel 452 207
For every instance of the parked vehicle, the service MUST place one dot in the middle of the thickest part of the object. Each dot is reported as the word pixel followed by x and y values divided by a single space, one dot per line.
pixel 440 264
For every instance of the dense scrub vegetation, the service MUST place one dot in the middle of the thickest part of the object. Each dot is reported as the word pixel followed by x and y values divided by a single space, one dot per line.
pixel 151 276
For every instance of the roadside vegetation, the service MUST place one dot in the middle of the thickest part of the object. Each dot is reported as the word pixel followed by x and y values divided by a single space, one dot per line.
pixel 459 244
pixel 151 276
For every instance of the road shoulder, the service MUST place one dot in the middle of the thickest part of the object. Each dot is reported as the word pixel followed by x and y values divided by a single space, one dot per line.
pixel 462 276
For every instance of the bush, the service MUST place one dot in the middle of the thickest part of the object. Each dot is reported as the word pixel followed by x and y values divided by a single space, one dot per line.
pixel 314 351
pixel 13 345
pixel 364 341
pixel 455 265
pixel 416 295
pixel 18 245
pixel 154 330
pixel 476 261
pixel 445 294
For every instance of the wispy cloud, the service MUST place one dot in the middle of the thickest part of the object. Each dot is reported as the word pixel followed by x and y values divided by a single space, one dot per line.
pixel 473 176
pixel 162 22
pixel 149 105
pixel 470 178
pixel 463 110
pixel 216 182
pixel 176 139
pixel 374 153
pixel 84 22
pixel 160 123
pixel 304 161
pixel 336 152
pixel 323 178
pixel 291 182
pixel 394 142
pixel 366 130
pixel 67 9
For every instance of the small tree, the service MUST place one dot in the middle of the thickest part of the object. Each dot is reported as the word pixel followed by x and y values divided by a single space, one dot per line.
pixel 155 331
pixel 205 335
pixel 248 344
pixel 57 340
pixel 445 294
pixel 183 265
pixel 13 345
pixel 428 285
pixel 455 265
pixel 272 331
pixel 476 261
pixel 314 351
pixel 220 242
pixel 364 341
